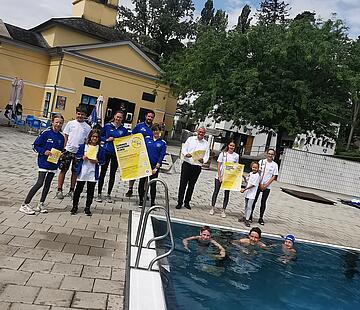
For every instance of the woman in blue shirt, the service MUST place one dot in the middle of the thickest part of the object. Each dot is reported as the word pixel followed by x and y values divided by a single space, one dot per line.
pixel 112 130
pixel 49 145
pixel 156 148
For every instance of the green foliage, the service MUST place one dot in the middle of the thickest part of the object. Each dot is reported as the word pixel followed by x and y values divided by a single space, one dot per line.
pixel 273 11
pixel 243 23
pixel 161 25
pixel 284 77
pixel 218 21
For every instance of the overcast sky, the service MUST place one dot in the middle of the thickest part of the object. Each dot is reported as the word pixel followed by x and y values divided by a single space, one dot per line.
pixel 29 13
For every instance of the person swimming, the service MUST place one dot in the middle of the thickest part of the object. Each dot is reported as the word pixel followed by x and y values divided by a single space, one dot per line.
pixel 253 239
pixel 204 239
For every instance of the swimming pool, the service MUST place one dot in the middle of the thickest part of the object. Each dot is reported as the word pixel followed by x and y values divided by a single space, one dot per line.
pixel 322 277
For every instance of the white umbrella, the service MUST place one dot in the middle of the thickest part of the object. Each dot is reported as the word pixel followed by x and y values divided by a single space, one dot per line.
pixel 99 109
pixel 19 91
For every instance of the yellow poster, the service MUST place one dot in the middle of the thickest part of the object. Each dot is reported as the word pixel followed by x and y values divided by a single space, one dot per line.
pixel 91 151
pixel 232 178
pixel 54 156
pixel 132 157
pixel 196 155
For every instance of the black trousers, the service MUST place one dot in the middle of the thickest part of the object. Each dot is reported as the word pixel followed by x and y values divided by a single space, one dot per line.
pixel 188 177
pixel 216 192
pixel 109 158
pixel 44 178
pixel 141 188
pixel 264 197
pixel 90 189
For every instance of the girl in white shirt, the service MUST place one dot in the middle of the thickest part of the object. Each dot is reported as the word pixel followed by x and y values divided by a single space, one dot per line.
pixel 228 155
pixel 252 184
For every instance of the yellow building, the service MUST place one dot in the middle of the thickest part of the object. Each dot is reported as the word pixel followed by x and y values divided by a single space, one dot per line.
pixel 67 61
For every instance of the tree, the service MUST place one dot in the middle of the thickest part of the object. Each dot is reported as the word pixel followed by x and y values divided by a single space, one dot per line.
pixel 243 23
pixel 161 25
pixel 219 20
pixel 276 77
pixel 207 13
pixel 273 11
pixel 352 76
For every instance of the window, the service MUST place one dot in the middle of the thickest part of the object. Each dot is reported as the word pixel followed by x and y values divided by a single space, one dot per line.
pixel 92 83
pixel 46 104
pixel 89 102
pixel 148 97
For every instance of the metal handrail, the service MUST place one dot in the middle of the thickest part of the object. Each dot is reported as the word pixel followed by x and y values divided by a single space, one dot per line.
pixel 142 227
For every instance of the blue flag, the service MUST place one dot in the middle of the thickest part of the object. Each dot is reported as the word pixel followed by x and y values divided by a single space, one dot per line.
pixel 93 117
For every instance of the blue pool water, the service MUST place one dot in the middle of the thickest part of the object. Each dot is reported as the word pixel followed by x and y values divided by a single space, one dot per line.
pixel 321 278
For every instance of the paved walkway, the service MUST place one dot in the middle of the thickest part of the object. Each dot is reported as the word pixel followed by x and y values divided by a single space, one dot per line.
pixel 58 261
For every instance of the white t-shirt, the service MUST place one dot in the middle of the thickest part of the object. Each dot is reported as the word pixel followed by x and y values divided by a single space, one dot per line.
pixel 227 157
pixel 193 144
pixel 252 179
pixel 267 171
pixel 88 169
pixel 77 133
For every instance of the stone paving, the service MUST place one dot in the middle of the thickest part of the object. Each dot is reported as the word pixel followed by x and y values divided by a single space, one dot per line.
pixel 58 261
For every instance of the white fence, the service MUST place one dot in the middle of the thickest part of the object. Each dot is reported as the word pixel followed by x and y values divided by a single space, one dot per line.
pixel 320 172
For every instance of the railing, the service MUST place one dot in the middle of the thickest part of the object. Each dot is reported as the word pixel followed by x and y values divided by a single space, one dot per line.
pixel 142 226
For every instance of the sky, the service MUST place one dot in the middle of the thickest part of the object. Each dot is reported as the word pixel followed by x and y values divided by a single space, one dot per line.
pixel 29 13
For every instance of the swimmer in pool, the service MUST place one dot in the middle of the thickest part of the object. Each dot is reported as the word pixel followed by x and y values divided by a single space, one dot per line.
pixel 204 239
pixel 289 253
pixel 252 240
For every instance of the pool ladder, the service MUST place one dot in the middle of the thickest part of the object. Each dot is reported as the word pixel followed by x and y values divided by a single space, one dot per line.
pixel 142 226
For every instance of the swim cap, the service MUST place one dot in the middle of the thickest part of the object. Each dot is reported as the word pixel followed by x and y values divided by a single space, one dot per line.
pixel 291 238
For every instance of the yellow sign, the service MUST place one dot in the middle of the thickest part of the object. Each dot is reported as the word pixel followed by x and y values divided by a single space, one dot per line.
pixel 232 178
pixel 91 152
pixel 132 157
pixel 196 155
pixel 54 156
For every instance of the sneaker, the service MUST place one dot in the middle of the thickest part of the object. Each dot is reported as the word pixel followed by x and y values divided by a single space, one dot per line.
pixel 212 211
pixel 261 221
pixel 41 208
pixel 26 208
pixel 87 212
pixel 108 199
pixel 59 194
pixel 70 194
pixel 98 198
pixel 223 214
pixel 141 204
pixel 250 219
pixel 74 210
pixel 247 223
pixel 129 193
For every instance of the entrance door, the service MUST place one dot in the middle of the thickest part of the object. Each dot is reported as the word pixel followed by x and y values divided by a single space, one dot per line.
pixel 248 145
pixel 116 104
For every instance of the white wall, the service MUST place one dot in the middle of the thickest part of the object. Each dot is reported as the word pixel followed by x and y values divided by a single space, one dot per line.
pixel 320 172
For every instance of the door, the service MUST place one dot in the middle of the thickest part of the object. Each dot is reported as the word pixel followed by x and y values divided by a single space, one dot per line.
pixel 248 145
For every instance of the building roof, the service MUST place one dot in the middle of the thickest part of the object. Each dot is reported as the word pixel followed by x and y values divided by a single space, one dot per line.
pixel 26 36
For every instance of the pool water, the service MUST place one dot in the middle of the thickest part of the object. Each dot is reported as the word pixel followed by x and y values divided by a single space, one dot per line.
pixel 321 277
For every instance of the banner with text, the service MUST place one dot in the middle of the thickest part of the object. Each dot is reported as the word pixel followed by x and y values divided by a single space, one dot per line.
pixel 132 157
pixel 232 178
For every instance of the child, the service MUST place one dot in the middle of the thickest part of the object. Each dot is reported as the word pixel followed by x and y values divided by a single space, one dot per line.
pixel 250 190
pixel 156 148
pixel 89 157
pixel 49 145
pixel 289 253
pixel 227 156
pixel 253 239
pixel 204 238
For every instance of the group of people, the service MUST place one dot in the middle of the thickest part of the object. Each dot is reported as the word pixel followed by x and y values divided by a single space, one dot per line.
pixel 195 152
pixel 89 152
pixel 253 240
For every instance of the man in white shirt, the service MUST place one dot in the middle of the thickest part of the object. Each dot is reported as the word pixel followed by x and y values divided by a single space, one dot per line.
pixel 268 173
pixel 75 132
pixel 195 152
